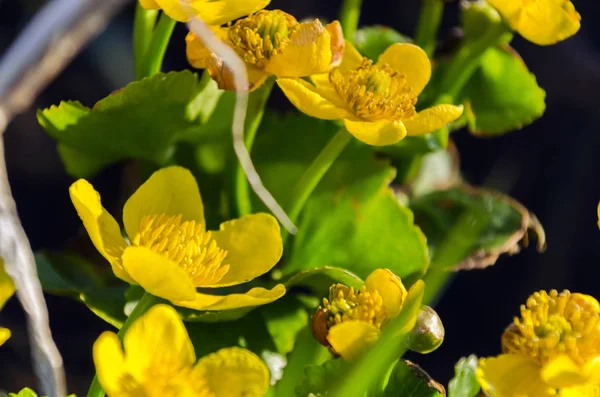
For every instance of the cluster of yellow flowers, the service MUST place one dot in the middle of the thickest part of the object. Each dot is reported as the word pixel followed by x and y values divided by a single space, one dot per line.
pixel 553 348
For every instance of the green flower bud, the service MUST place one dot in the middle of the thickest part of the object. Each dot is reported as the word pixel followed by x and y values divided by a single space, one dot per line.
pixel 428 333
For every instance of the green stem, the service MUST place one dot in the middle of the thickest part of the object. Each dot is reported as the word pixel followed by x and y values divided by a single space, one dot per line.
pixel 429 25
pixel 314 173
pixel 436 280
pixel 155 53
pixel 349 16
pixel 465 62
pixel 256 109
pixel 146 302
pixel 142 34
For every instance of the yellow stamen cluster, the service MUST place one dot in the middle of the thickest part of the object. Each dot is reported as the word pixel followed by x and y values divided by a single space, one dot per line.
pixel 257 38
pixel 345 304
pixel 553 324
pixel 375 92
pixel 186 244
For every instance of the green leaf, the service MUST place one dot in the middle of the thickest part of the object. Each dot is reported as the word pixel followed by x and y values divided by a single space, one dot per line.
pixel 142 120
pixel 307 351
pixel 284 319
pixel 26 392
pixel 71 275
pixel 371 41
pixel 502 95
pixel 464 383
pixel 319 378
pixel 477 225
pixel 352 220
pixel 318 280
pixel 409 380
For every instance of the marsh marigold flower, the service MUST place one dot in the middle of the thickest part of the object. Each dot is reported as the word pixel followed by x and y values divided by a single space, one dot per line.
pixel 376 101
pixel 350 320
pixel 7 289
pixel 552 349
pixel 542 22
pixel 271 43
pixel 157 359
pixel 213 12
pixel 170 252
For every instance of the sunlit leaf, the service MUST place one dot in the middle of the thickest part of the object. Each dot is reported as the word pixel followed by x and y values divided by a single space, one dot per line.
pixel 371 41
pixel 409 380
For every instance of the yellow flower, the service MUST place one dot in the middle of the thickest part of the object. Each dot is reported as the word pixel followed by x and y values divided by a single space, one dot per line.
pixel 157 358
pixel 552 349
pixel 7 289
pixel 349 321
pixel 376 101
pixel 542 22
pixel 271 43
pixel 170 252
pixel 213 12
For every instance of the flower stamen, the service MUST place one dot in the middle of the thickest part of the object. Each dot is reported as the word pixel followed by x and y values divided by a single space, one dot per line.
pixel 346 304
pixel 375 92
pixel 187 244
pixel 556 323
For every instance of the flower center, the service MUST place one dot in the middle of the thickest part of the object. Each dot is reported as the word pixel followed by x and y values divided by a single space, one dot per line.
pixel 375 92
pixel 186 244
pixel 345 304
pixel 553 324
pixel 257 38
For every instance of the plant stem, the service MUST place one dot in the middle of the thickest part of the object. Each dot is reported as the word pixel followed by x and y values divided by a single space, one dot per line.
pixel 315 172
pixel 142 34
pixel 465 62
pixel 146 302
pixel 155 53
pixel 349 16
pixel 429 25
pixel 257 101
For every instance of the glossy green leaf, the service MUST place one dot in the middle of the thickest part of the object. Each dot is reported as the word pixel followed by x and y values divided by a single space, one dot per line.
pixel 143 120
pixel 409 380
pixel 371 41
pixel 307 352
pixel 490 224
pixel 464 383
pixel 502 95
pixel 318 379
pixel 72 275
pixel 352 220
pixel 318 280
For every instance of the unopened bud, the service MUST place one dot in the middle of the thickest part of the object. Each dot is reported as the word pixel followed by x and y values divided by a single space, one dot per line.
pixel 428 333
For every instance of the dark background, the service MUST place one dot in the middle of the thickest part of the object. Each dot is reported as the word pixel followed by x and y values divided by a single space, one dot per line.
pixel 551 167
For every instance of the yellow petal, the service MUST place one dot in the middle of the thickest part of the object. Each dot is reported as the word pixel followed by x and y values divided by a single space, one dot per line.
pixel 351 58
pixel 308 52
pixel 254 297
pixel 149 4
pixel 213 12
pixel 542 22
pixel 599 215
pixel 7 287
pixel 4 335
pixel 197 54
pixel 109 360
pixel 158 336
pixel 390 287
pixel 308 100
pixel 100 225
pixel 351 338
pixel 172 191
pixel 589 390
pixel 511 375
pixel 253 244
pixel 234 372
pixel 431 119
pixel 377 133
pixel 562 371
pixel 157 274
pixel 410 60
